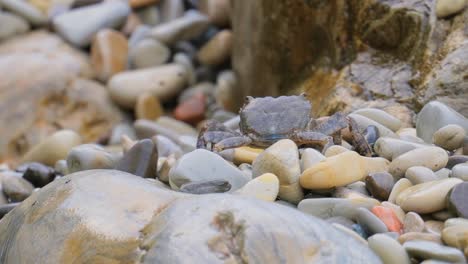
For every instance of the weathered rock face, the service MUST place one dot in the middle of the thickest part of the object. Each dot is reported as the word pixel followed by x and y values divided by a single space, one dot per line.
pixel 108 216
pixel 345 53
pixel 42 91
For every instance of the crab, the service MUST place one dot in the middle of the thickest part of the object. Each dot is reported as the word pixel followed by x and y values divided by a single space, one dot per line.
pixel 265 120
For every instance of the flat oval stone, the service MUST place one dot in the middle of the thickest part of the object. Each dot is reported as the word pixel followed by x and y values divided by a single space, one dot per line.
pixel 149 53
pixel 420 174
pixel 399 213
pixel 426 197
pixel 460 171
pixel 363 122
pixel 391 148
pixel 109 53
pixel 388 249
pixel 445 8
pixel 449 137
pixel 282 159
pixel 16 188
pixel 371 223
pixel 148 107
pixel 456 159
pixel 399 186
pixel 456 236
pixel 78 31
pixel 203 165
pixel 163 82
pixel 6 208
pixel 217 50
pixel 264 187
pixel 433 158
pixel 310 157
pixel 204 187
pixel 329 207
pixel 456 222
pixel 335 150
pixel 89 157
pixel 458 199
pixel 431 250
pixel 335 171
pixel 433 227
pixel 380 184
pixel 381 117
pixel 388 217
pixel 412 236
pixel 38 174
pixel 413 223
pixel 140 160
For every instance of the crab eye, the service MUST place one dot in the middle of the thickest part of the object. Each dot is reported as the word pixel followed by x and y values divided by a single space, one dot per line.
pixel 303 95
pixel 248 99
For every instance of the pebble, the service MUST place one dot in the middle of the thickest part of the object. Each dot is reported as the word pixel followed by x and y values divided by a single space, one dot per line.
pixel 330 207
pixel 202 165
pixel 165 168
pixel 61 167
pixel 433 227
pixel 343 192
pixel 166 146
pixel 388 217
pixel 282 159
pixel 381 117
pixel 148 53
pixel 217 50
pixel 149 16
pixel 36 173
pixel 192 110
pixel 388 249
pixel 391 148
pixel 109 53
pixel 310 157
pixel 217 10
pixel 443 173
pixel 335 150
pixel 25 10
pixel 363 122
pixel 205 187
pixel 246 154
pixel 426 197
pixel 449 137
pixel 131 23
pixel 371 134
pixel 413 223
pixel 78 31
pixel 148 107
pixel 340 170
pixel 359 187
pixel 456 236
pixel 400 214
pixel 456 159
pixel 16 188
pixel 6 208
pixel 171 10
pixel 185 61
pixel 419 174
pixel 12 25
pixel 416 236
pixel 456 222
pixel 54 147
pixel 431 250
pixel 89 157
pixel 443 215
pixel 264 187
pixel 380 185
pixel 140 160
pixel 176 126
pixel 399 186
pixel 458 199
pixel 119 130
pixel 350 232
pixel 370 223
pixel 433 158
pixel 445 8
pixel 343 221
pixel 460 171
pixel 142 3
pixel 139 34
pixel 163 82
pixel 190 25
pixel 435 115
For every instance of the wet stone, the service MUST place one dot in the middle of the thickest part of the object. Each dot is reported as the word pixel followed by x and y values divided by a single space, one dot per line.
pixel 204 187
pixel 458 199
pixel 380 184
pixel 16 188
pixel 140 160
pixel 36 173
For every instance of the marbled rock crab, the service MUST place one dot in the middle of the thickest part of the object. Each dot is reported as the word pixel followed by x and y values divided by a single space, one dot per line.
pixel 264 121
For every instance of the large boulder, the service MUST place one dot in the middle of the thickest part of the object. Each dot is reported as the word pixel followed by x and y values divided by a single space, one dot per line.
pixel 44 88
pixel 108 216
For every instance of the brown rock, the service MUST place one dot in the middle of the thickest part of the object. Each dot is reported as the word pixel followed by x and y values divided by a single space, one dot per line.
pixel 217 10
pixel 109 53
pixel 48 94
pixel 217 50
pixel 148 106
pixel 191 110
pixel 142 3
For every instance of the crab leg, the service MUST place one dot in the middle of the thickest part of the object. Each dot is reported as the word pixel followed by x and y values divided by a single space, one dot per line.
pixel 213 137
pixel 309 137
pixel 358 140
pixel 232 142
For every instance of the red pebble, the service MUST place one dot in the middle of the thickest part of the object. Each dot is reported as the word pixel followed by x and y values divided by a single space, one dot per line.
pixel 191 110
pixel 389 218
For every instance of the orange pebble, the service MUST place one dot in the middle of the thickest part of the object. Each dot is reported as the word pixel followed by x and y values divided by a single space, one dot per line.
pixel 389 218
